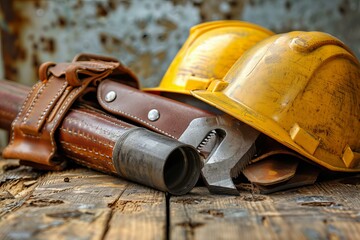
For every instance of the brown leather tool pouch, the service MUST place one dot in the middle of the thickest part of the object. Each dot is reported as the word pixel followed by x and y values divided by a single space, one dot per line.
pixel 34 130
pixel 60 85
pixel 157 113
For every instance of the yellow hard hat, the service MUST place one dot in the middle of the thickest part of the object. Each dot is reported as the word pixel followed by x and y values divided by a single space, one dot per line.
pixel 303 90
pixel 209 52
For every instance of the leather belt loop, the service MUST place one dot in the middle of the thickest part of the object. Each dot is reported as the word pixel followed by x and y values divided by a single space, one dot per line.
pixel 43 70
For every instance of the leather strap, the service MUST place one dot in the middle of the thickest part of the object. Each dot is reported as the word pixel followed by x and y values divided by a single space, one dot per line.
pixel 121 74
pixel 88 136
pixel 32 135
pixel 135 105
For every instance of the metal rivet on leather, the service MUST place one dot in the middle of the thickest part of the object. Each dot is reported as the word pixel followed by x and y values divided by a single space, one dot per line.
pixel 110 96
pixel 153 115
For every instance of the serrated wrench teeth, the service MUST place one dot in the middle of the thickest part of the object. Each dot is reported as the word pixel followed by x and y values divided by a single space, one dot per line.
pixel 231 144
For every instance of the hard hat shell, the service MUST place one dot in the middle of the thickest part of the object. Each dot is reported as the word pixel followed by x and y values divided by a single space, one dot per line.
pixel 301 89
pixel 208 53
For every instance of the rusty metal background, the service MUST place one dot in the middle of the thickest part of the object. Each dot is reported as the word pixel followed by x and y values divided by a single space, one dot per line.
pixel 146 35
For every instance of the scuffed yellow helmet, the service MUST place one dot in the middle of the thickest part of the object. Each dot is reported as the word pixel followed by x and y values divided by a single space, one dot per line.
pixel 301 89
pixel 209 52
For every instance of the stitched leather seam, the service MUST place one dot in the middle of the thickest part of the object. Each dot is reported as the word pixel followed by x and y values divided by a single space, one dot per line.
pixel 68 99
pixel 117 124
pixel 42 88
pixel 82 134
pixel 84 162
pixel 20 113
pixel 32 136
pixel 42 115
pixel 58 116
pixel 83 124
pixel 87 150
pixel 139 119
pixel 6 113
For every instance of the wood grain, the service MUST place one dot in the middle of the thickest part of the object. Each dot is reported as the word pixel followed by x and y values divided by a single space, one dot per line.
pixel 84 204
pixel 16 185
pixel 140 213
pixel 328 210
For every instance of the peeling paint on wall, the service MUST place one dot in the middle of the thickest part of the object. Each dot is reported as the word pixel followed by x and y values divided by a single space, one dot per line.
pixel 146 35
pixel 142 35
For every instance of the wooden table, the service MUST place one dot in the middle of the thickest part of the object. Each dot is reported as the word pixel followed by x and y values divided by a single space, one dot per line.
pixel 84 204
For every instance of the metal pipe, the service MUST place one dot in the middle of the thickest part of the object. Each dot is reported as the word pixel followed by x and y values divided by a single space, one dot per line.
pixel 156 160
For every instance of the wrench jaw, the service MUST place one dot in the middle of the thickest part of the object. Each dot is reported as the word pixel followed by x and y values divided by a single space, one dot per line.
pixel 218 181
pixel 227 163
pixel 233 147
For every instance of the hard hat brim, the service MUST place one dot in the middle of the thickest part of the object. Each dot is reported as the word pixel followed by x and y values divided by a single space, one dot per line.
pixel 268 127
pixel 161 89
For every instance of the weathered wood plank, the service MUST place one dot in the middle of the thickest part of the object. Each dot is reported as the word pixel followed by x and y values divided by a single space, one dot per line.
pixel 327 210
pixel 68 209
pixel 140 213
pixel 81 204
pixel 16 185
